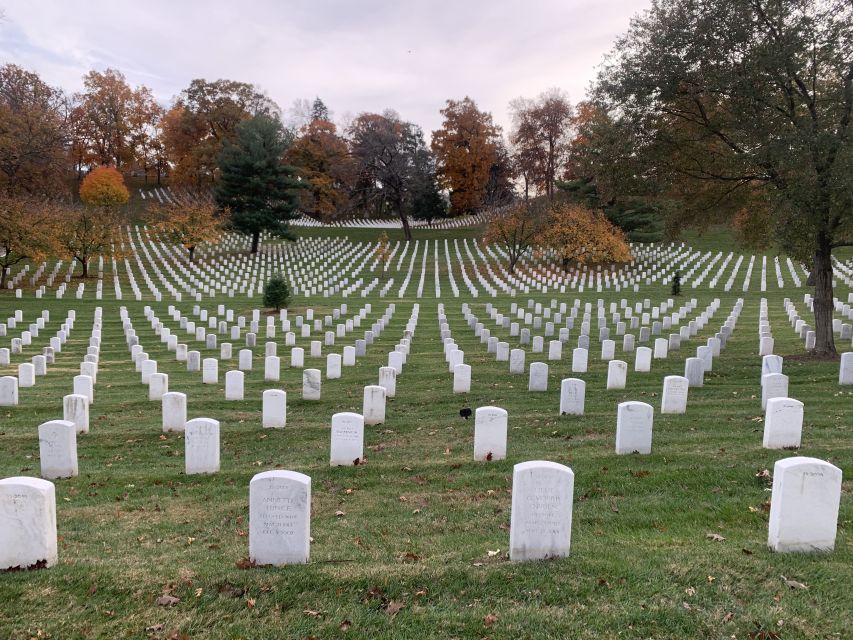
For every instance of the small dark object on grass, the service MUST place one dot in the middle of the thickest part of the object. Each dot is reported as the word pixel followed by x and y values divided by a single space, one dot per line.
pixel 465 412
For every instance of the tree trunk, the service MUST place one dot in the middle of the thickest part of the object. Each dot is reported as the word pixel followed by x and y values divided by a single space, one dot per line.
pixel 2 277
pixel 407 232
pixel 824 340
pixel 565 265
pixel 256 236
pixel 191 251
pixel 84 262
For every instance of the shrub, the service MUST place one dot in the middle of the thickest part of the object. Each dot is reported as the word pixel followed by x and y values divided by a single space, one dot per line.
pixel 276 292
pixel 104 187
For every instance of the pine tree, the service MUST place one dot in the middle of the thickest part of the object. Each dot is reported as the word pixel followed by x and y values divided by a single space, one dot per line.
pixel 319 111
pixel 255 185
pixel 276 292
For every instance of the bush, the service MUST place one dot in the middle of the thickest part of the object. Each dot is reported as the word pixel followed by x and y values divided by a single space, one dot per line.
pixel 276 292
pixel 104 187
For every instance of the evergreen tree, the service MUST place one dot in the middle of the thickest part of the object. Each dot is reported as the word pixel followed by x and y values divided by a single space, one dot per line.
pixel 639 219
pixel 319 111
pixel 276 292
pixel 255 185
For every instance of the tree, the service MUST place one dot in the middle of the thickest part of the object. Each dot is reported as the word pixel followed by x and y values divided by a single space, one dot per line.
pixel 26 231
pixel 33 134
pixel 204 118
pixel 465 151
pixel 500 187
pixel 319 111
pixel 386 151
pixel 85 232
pixel 323 164
pixel 191 222
pixel 145 132
pixel 104 187
pixel 751 100
pixel 255 185
pixel 541 134
pixel 584 236
pixel 276 292
pixel 383 249
pixel 516 230
pixel 104 118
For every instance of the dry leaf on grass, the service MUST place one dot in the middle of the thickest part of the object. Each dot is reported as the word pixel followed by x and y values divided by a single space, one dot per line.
pixel 716 537
pixel 167 601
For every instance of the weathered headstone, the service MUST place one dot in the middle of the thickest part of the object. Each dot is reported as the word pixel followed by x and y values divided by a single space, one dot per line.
pixel 174 411
pixel 617 374
pixel 572 397
pixel 311 384
pixel 274 409
pixel 373 405
pixel 674 396
pixel 234 384
pixel 347 446
pixel 634 427
pixel 783 423
pixel 58 449
pixel 541 518
pixel 27 523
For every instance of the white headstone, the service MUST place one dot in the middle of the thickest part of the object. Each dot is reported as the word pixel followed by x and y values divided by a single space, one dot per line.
pixel 572 397
pixel 804 505
pixel 279 518
pixel 634 427
pixel 311 384
pixel 201 446
pixel 617 374
pixel 174 411
pixel 58 449
pixel 538 380
pixel 234 384
pixel 158 384
pixel 541 519
pixel 27 523
pixel 783 423
pixel 347 448
pixel 373 407
pixel 773 385
pixel 674 396
pixel 8 391
pixel 490 427
pixel 274 409
pixel 462 378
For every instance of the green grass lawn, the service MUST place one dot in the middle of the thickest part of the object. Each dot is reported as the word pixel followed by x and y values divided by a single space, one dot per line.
pixel 420 550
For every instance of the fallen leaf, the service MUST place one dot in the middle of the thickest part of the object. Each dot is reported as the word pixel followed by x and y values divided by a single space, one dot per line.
pixel 492 554
pixel 408 556
pixel 345 625
pixel 793 584
pixel 728 617
pixel 154 628
pixel 245 563
pixel 312 613
pixel 167 601
pixel 393 607
pixel 250 603
pixel 340 514
pixel 490 619
pixel 716 537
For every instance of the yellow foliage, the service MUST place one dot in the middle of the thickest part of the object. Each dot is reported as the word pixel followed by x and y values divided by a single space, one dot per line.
pixel 516 230
pixel 383 251
pixel 104 187
pixel 584 236
pixel 189 223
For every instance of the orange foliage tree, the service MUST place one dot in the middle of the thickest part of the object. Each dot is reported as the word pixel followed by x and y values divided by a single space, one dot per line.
pixel 584 236
pixel 26 231
pixel 104 187
pixel 516 230
pixel 190 223
pixel 85 232
pixel 465 150
pixel 323 163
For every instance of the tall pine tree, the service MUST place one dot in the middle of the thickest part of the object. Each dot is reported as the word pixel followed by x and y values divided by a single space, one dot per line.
pixel 255 185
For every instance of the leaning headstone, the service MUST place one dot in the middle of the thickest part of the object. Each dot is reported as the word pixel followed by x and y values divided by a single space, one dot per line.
pixel 541 518
pixel 311 384
pixel 27 523
pixel 674 396
pixel 804 505
pixel 347 446
pixel 174 411
pixel 58 449
pixel 572 397
pixel 373 406
pixel 490 427
pixel 279 518
pixel 783 423
pixel 274 409
pixel 634 427
pixel 201 446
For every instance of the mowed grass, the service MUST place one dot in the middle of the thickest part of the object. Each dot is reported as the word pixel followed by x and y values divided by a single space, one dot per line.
pixel 420 550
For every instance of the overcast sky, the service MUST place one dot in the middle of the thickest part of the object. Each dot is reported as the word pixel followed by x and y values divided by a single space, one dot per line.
pixel 357 55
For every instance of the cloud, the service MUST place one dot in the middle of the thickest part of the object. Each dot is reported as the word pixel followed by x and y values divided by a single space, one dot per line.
pixel 358 55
